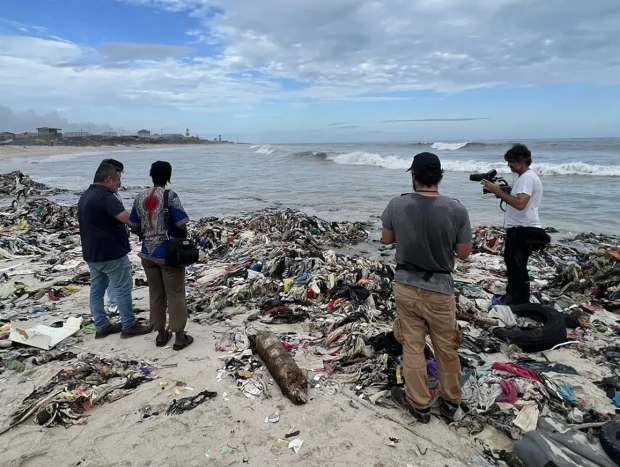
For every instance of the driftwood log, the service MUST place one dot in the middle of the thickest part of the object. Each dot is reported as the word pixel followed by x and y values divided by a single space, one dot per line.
pixel 282 367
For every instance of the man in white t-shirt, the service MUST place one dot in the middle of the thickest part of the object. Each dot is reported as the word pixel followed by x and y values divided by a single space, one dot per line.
pixel 524 232
pixel 20 189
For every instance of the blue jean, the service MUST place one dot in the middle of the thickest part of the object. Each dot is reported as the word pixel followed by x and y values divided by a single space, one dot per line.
pixel 111 297
pixel 115 274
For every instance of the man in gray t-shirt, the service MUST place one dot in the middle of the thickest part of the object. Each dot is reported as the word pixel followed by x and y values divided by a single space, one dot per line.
pixel 430 231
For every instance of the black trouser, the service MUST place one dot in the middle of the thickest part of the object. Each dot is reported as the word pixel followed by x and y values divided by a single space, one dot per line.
pixel 516 254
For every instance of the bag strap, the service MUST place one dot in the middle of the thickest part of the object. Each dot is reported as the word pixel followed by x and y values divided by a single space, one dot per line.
pixel 167 211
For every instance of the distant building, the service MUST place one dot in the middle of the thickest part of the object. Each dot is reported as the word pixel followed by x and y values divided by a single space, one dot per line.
pixel 76 134
pixel 5 136
pixel 144 133
pixel 173 136
pixel 45 131
pixel 219 138
pixel 109 133
pixel 187 132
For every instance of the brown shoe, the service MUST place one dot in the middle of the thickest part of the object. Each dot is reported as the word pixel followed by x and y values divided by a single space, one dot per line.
pixel 136 330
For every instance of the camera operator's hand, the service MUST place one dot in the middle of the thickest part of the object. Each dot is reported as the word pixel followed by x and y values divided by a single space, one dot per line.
pixel 494 188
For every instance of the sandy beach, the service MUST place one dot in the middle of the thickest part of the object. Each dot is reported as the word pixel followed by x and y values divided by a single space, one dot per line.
pixel 13 151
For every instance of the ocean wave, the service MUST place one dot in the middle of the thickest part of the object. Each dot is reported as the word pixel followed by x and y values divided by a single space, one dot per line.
pixel 374 160
pixel 317 154
pixel 263 149
pixel 549 169
pixel 448 146
pixel 455 146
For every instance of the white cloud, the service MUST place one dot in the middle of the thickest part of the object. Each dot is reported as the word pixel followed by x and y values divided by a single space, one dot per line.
pixel 37 50
pixel 122 51
pixel 342 50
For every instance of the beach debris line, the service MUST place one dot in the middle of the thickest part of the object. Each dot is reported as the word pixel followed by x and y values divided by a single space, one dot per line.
pixel 8 185
pixel 282 367
pixel 75 390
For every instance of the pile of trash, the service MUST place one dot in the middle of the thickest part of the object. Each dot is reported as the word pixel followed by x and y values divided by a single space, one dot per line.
pixel 8 183
pixel 344 303
pixel 91 380
pixel 296 274
pixel 38 228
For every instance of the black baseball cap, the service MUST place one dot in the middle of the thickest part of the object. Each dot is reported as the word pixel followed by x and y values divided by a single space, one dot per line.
pixel 425 161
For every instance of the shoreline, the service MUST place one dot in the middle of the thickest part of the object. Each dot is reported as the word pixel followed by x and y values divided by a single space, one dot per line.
pixel 17 152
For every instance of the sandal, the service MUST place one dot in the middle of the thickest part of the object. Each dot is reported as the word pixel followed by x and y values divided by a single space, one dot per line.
pixel 188 340
pixel 163 343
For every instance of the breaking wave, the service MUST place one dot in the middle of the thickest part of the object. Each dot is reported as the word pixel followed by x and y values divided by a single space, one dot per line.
pixel 394 162
pixel 263 149
pixel 448 146
pixel 317 154
pixel 374 160
pixel 467 145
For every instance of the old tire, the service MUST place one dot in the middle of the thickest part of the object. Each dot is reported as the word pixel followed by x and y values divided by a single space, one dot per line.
pixel 552 333
pixel 609 441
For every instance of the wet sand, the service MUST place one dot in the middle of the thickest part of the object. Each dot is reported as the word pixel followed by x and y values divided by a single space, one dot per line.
pixel 13 151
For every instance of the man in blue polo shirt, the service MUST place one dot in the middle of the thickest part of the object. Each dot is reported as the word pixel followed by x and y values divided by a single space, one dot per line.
pixel 105 245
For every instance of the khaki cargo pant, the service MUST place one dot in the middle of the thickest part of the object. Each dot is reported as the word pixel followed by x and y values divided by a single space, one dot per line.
pixel 166 290
pixel 416 309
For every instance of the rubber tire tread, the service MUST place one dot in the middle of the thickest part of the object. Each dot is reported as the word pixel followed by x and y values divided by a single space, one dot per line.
pixel 609 441
pixel 552 333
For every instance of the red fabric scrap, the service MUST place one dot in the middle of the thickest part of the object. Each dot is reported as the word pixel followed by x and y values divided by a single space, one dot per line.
pixel 510 392
pixel 517 370
pixel 289 347
pixel 277 309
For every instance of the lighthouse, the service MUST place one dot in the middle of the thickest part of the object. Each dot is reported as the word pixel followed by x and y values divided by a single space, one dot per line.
pixel 187 132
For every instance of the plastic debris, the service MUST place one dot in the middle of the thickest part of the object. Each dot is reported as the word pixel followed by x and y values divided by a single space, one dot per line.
pixel 273 418
pixel 296 445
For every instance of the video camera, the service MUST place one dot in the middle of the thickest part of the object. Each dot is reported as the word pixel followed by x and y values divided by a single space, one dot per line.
pixel 492 177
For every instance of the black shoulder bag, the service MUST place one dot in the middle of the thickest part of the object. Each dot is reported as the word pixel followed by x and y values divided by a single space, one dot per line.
pixel 179 251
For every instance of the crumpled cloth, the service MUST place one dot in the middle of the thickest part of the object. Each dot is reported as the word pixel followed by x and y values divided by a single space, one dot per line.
pixel 518 370
pixel 489 391
pixel 470 391
pixel 510 392
pixel 567 393
pixel 504 314
pixel 584 389
pixel 527 419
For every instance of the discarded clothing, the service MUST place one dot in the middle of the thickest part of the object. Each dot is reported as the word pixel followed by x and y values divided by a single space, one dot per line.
pixel 527 419
pixel 504 314
pixel 517 370
pixel 189 403
pixel 547 367
pixel 551 444
pixel 510 392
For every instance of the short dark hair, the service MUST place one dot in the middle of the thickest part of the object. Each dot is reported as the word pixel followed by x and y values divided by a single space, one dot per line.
pixel 429 177
pixel 105 171
pixel 519 153
pixel 161 172
pixel 118 164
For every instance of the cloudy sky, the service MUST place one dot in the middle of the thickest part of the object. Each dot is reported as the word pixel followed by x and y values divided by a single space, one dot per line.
pixel 319 70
